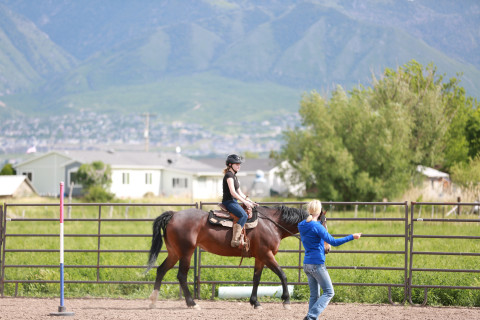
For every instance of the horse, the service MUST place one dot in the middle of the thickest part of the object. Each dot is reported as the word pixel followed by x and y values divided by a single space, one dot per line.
pixel 185 230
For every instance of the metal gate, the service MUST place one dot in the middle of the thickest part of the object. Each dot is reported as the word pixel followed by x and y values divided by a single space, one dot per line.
pixel 413 253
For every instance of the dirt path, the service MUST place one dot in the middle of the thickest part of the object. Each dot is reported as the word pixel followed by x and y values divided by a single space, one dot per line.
pixel 99 309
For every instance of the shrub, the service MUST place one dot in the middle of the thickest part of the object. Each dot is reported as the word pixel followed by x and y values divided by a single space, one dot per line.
pixel 98 194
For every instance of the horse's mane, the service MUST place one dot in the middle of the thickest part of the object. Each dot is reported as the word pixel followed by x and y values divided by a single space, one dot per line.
pixel 291 216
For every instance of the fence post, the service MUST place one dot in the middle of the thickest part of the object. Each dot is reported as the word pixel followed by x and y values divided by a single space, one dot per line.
pixel 299 254
pixel 98 241
pixel 407 239
pixel 196 268
pixel 410 237
pixel 2 247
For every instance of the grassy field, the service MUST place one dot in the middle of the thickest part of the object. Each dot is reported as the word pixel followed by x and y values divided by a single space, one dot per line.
pixel 376 238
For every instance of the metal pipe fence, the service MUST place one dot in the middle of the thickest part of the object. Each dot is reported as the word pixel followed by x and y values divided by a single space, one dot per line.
pixel 98 235
pixel 444 237
pixel 407 267
pixel 300 251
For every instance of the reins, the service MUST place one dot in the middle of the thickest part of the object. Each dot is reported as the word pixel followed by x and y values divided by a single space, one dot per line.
pixel 261 215
pixel 323 220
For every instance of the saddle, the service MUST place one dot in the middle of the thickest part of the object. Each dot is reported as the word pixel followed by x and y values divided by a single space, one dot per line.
pixel 227 219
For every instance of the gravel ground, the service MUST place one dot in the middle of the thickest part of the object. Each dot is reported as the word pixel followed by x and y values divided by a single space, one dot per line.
pixel 99 309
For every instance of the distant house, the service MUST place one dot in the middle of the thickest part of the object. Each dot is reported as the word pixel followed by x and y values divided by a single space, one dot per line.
pixel 436 184
pixel 16 187
pixel 260 177
pixel 134 174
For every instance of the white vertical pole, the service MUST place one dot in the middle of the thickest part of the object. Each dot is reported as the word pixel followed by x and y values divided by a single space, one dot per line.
pixel 61 247
pixel 62 311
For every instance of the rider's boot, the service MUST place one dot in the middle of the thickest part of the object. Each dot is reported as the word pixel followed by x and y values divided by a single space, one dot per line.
pixel 237 232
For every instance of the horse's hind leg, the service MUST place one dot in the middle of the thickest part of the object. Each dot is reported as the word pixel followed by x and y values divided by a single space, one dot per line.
pixel 166 265
pixel 183 268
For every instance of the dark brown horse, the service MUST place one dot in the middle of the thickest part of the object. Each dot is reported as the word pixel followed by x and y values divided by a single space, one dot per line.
pixel 185 230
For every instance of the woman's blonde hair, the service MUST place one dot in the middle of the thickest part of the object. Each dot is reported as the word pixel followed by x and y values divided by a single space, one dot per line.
pixel 314 207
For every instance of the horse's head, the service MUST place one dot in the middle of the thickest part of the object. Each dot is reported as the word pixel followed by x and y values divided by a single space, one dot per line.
pixel 323 221
pixel 323 218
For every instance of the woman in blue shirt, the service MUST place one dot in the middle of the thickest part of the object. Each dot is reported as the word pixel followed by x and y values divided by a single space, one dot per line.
pixel 313 236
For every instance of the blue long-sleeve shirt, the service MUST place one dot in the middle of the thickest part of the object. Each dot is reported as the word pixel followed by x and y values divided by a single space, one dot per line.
pixel 313 236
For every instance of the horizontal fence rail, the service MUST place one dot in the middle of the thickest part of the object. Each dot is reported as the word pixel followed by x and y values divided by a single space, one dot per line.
pixel 408 268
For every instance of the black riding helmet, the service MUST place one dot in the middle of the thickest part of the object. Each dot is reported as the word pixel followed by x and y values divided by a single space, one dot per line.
pixel 233 158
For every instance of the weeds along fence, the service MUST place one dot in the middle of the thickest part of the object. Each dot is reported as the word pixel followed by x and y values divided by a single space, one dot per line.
pixel 384 258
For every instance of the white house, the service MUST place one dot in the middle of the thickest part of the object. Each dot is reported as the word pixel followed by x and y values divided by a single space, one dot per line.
pixel 16 187
pixel 436 184
pixel 134 174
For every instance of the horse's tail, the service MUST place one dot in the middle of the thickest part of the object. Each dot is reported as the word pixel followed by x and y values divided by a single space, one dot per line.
pixel 159 225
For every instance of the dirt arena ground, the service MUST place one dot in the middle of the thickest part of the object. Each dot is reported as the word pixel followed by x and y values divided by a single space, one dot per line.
pixel 100 309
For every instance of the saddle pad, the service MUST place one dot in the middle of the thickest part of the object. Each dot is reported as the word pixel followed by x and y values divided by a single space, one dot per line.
pixel 222 220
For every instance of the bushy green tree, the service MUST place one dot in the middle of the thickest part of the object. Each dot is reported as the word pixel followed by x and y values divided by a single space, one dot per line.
pixel 467 175
pixel 365 145
pixel 95 179
pixel 473 133
pixel 464 128
pixel 7 170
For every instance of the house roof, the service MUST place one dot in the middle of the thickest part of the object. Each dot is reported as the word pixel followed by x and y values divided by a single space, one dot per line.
pixel 139 159
pixel 10 184
pixel 432 173
pixel 250 165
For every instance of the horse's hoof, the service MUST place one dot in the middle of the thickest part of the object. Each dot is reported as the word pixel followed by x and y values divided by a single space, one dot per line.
pixel 287 306
pixel 258 308
pixel 196 307
pixel 151 305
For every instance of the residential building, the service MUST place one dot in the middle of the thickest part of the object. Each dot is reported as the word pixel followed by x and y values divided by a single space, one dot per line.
pixel 134 174
pixel 16 187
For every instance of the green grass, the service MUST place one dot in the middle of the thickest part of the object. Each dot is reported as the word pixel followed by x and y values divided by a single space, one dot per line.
pixel 344 293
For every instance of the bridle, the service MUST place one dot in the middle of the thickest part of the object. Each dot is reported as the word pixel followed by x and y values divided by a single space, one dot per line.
pixel 323 221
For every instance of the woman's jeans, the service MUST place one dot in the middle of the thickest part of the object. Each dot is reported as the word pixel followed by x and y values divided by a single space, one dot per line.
pixel 318 277
pixel 234 207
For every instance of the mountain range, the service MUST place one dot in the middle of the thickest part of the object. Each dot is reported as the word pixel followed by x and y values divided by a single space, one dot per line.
pixel 212 61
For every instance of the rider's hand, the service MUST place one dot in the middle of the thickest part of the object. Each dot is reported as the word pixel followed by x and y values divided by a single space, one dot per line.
pixel 357 235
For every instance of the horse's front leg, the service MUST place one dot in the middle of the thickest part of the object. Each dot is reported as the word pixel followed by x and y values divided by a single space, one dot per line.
pixel 273 265
pixel 257 274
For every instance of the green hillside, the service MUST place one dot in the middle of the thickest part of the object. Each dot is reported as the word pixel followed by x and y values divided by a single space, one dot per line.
pixel 201 59
pixel 27 55
pixel 203 98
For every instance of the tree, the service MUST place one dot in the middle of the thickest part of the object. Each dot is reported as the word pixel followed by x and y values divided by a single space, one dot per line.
pixel 7 170
pixel 95 178
pixel 464 126
pixel 467 175
pixel 365 144
pixel 472 132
